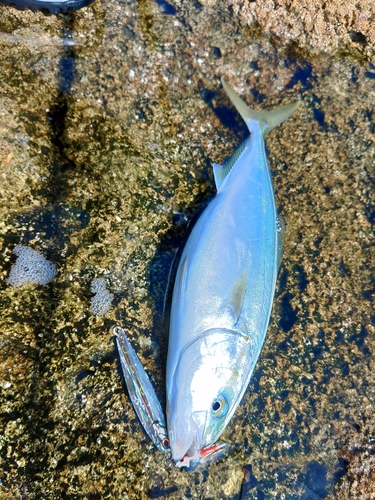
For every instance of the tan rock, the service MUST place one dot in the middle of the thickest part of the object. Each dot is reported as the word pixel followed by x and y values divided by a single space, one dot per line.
pixel 314 26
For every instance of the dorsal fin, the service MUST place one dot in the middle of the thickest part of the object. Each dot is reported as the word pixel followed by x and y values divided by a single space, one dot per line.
pixel 221 171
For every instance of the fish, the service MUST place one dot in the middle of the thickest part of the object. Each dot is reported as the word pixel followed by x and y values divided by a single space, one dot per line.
pixel 222 299
pixel 223 292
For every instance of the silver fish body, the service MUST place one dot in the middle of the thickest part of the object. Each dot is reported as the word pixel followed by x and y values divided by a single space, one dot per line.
pixel 223 293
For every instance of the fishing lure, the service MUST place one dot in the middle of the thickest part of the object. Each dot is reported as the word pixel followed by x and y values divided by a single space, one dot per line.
pixel 142 394
pixel 49 5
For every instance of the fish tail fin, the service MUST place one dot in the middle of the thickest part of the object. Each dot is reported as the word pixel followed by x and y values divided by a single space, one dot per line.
pixel 268 119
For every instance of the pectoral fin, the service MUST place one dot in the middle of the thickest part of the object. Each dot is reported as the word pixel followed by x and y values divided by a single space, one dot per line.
pixel 238 294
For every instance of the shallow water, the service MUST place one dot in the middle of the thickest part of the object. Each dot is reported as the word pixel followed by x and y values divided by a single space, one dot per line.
pixel 110 119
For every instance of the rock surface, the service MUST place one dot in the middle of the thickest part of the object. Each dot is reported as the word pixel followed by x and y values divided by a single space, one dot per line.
pixel 314 27
pixel 110 119
pixel 359 482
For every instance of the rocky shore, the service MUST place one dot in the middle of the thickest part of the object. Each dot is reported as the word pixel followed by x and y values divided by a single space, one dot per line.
pixel 110 120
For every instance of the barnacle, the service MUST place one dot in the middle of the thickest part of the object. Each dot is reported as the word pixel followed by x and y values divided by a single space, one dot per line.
pixel 30 268
pixel 101 301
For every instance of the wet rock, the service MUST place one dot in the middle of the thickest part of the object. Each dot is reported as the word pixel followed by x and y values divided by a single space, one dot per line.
pixel 359 457
pixel 313 27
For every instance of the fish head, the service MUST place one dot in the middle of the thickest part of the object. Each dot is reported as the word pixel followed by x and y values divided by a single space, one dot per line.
pixel 208 383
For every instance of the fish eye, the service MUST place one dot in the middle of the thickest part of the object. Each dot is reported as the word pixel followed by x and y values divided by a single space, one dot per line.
pixel 219 406
pixel 216 405
pixel 165 443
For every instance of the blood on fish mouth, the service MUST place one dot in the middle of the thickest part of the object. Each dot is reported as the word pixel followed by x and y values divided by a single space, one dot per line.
pixel 199 457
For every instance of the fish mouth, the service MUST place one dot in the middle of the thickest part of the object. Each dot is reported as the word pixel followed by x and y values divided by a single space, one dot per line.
pixel 191 450
pixel 189 442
